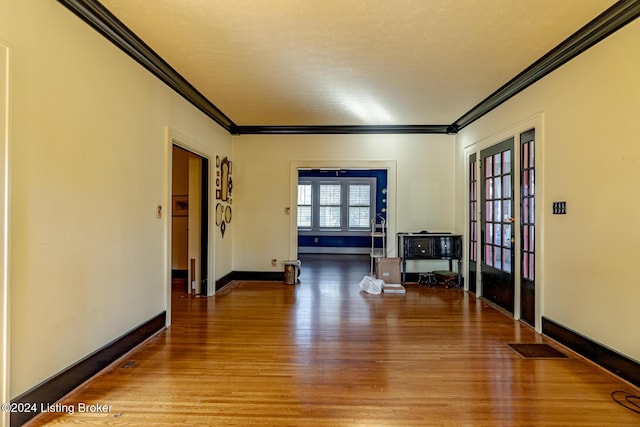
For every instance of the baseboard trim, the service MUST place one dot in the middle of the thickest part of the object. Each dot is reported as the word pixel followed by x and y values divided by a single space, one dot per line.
pixel 271 276
pixel 330 250
pixel 179 274
pixel 61 384
pixel 604 357
pixel 223 281
pixel 258 276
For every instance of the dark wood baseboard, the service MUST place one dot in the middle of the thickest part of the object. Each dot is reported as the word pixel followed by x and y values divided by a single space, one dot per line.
pixel 179 274
pixel 223 281
pixel 610 360
pixel 56 387
pixel 277 276
pixel 267 276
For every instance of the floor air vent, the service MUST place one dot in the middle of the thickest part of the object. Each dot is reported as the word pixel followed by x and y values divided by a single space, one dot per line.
pixel 537 351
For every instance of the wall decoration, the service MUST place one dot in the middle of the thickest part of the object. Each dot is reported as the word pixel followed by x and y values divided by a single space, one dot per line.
pixel 225 179
pixel 219 214
pixel 180 206
pixel 224 187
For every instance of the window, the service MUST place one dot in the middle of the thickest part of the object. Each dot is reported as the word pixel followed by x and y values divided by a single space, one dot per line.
pixel 337 205
pixel 304 205
pixel 498 250
pixel 359 205
pixel 330 205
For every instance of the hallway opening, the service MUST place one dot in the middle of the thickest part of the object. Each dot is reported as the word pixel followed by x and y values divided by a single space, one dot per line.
pixel 189 222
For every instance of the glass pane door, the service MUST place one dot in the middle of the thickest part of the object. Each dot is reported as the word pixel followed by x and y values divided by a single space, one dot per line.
pixel 527 227
pixel 497 224
pixel 473 222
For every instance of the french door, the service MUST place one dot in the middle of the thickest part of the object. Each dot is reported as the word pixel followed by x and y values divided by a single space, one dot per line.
pixel 527 227
pixel 473 222
pixel 497 224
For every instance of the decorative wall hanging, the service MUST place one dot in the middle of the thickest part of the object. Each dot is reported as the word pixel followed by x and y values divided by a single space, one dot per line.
pixel 224 187
pixel 219 214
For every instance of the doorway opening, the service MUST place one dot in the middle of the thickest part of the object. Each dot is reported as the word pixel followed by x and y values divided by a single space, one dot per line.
pixel 189 222
pixel 336 211
pixel 503 220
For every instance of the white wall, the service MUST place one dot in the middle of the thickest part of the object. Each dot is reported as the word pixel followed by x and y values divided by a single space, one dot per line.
pixel 262 176
pixel 90 163
pixel 588 112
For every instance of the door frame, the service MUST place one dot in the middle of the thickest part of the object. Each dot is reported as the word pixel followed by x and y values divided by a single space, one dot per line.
pixel 177 138
pixel 5 139
pixel 514 130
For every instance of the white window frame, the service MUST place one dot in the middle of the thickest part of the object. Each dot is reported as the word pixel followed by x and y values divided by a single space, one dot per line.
pixel 305 182
pixel 344 182
pixel 316 206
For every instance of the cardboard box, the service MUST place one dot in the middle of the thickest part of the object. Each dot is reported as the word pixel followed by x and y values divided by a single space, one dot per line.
pixel 388 269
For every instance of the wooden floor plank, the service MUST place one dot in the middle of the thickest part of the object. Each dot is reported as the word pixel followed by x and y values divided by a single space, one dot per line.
pixel 324 353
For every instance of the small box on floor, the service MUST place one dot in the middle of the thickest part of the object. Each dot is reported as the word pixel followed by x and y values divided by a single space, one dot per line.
pixel 388 269
pixel 393 288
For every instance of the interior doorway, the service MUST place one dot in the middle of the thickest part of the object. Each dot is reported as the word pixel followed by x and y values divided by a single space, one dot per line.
pixel 336 207
pixel 189 222
pixel 333 207
pixel 504 220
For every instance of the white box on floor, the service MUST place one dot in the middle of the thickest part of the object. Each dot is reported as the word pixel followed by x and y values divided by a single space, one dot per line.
pixel 394 288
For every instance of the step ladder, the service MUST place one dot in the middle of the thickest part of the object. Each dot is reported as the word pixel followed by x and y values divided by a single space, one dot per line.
pixel 378 231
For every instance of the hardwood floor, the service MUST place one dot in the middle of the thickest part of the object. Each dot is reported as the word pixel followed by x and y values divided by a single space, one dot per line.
pixel 324 353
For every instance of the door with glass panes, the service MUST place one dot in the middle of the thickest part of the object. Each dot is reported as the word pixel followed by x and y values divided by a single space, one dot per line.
pixel 473 222
pixel 527 227
pixel 497 224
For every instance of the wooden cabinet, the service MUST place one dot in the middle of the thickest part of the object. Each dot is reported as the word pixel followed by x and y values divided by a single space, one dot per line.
pixel 444 246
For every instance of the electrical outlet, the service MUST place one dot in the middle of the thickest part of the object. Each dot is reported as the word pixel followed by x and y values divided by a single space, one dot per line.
pixel 274 262
pixel 159 211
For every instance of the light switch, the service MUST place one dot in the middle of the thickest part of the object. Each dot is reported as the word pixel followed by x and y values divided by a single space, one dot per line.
pixel 559 208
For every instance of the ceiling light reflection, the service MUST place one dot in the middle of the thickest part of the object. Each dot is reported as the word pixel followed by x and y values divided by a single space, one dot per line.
pixel 367 110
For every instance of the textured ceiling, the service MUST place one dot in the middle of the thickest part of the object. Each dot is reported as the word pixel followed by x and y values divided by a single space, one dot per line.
pixel 351 62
